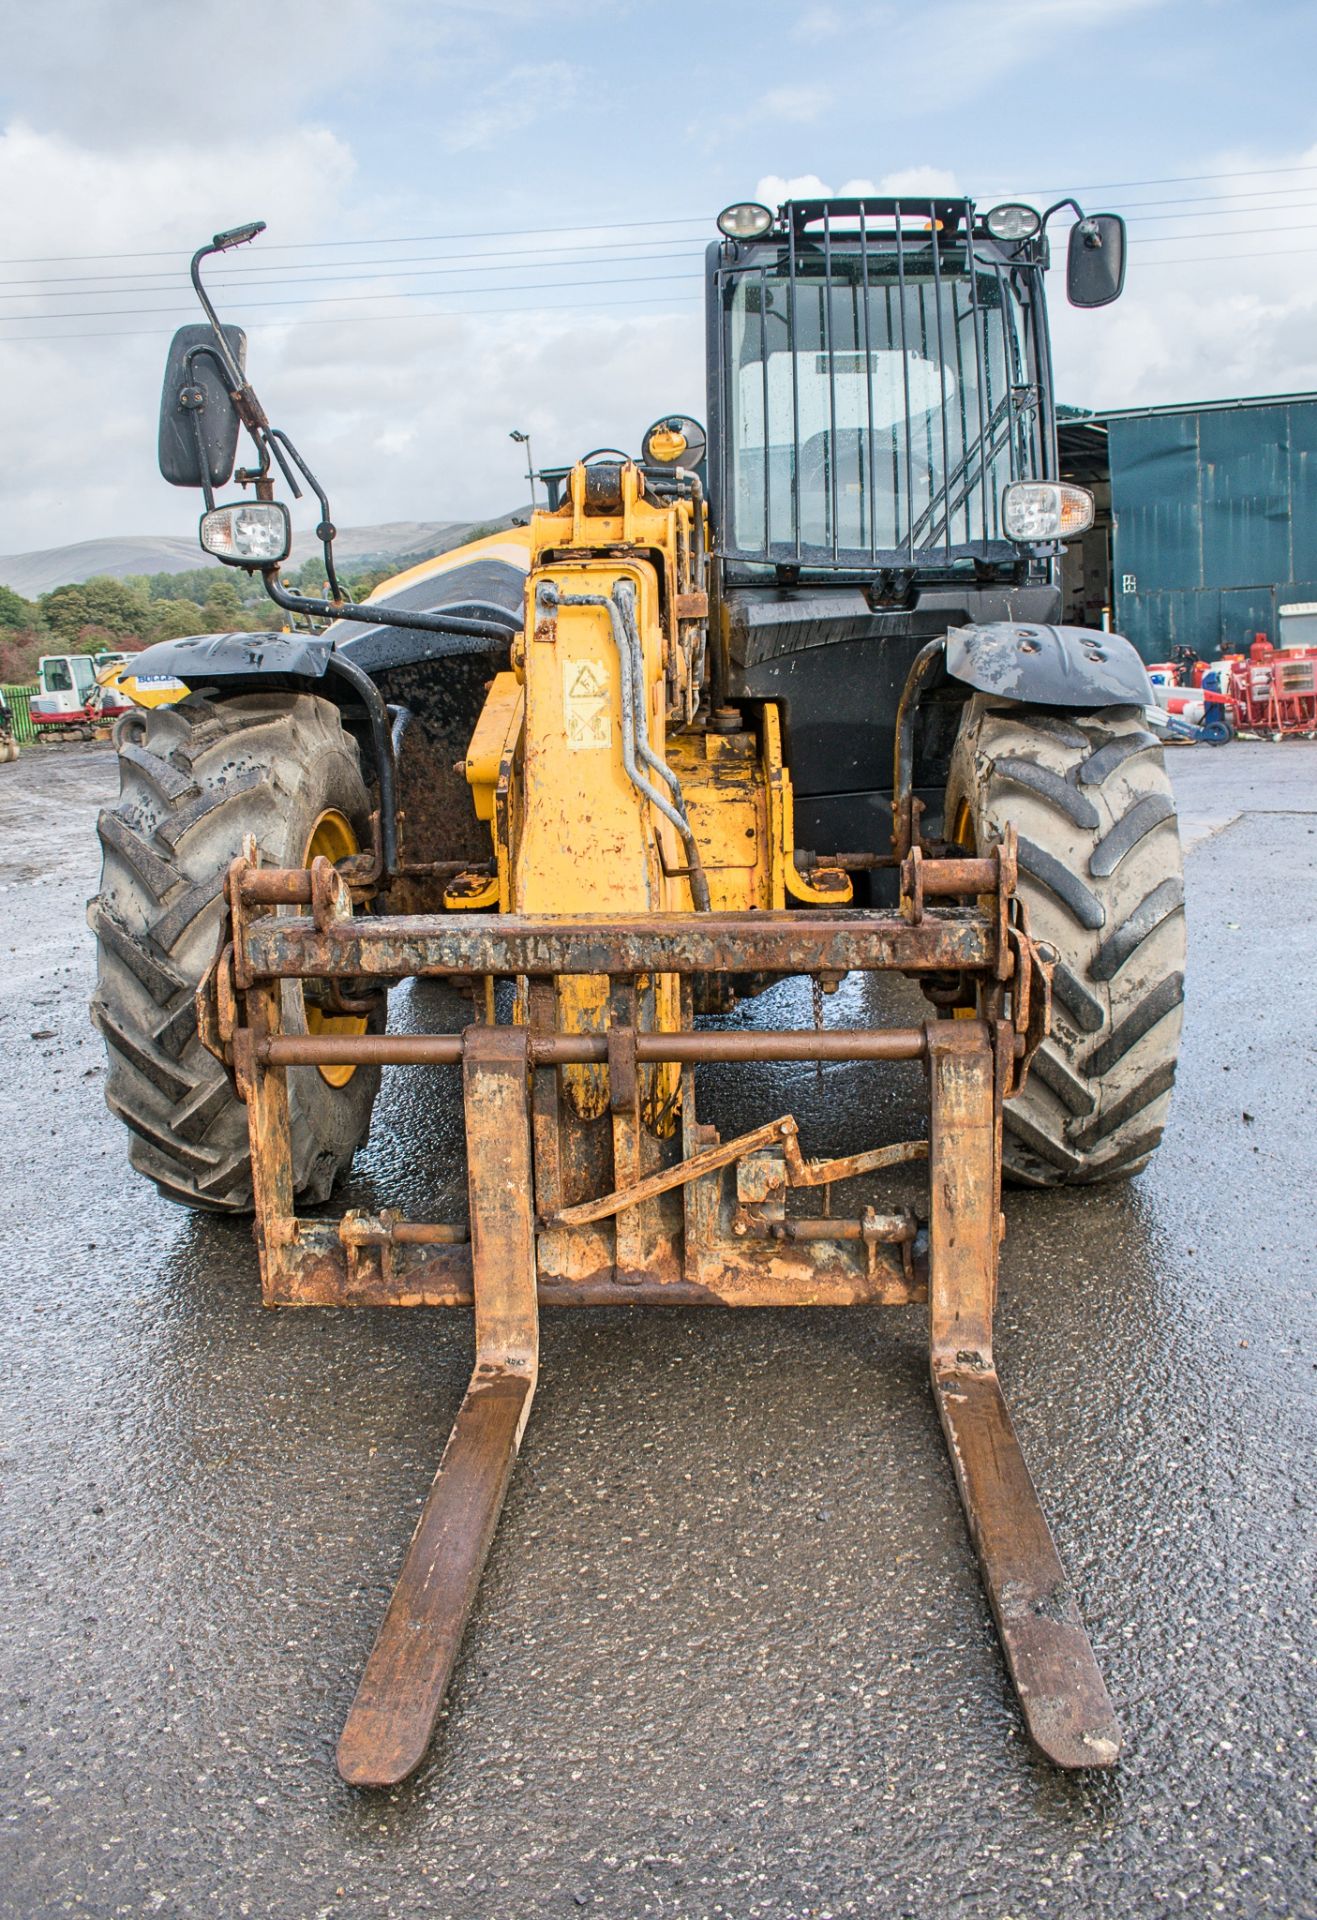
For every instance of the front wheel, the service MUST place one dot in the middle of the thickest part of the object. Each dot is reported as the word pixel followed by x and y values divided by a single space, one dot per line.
pixel 1101 873
pixel 195 779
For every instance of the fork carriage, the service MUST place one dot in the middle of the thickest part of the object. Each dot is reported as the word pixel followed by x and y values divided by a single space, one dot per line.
pixel 565 1211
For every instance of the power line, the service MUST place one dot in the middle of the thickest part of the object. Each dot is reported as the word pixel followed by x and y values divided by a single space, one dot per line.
pixel 362 319
pixel 384 271
pixel 1171 180
pixel 599 256
pixel 337 299
pixel 1199 259
pixel 396 240
pixel 542 285
pixel 238 277
pixel 464 313
pixel 705 221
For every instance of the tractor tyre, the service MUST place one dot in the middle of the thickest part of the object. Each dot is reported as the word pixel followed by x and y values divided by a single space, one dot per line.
pixel 194 780
pixel 1101 873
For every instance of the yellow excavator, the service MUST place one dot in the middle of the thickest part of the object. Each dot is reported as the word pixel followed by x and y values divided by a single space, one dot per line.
pixel 783 699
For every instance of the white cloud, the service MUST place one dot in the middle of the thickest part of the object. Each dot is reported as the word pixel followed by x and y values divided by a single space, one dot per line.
pixel 403 418
pixel 922 181
pixel 63 198
pixel 818 23
pixel 1232 311
pixel 517 99
pixel 418 429
pixel 83 412
pixel 797 105
pixel 148 72
pixel 944 53
pixel 774 188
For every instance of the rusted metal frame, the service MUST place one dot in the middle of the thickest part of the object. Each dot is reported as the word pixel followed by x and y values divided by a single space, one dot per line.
pixel 709 1160
pixel 424 1265
pixel 590 1049
pixel 783 1134
pixel 264 1089
pixel 819 1173
pixel 753 1273
pixel 750 1272
pixel 508 945
pixel 892 1229
pixel 402 1688
pixel 1061 1692
pixel 635 1230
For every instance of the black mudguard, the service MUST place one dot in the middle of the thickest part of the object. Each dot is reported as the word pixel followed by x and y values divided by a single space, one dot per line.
pixel 1048 666
pixel 204 658
pixel 433 685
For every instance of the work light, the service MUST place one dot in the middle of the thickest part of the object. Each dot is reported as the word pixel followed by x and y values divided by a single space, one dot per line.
pixel 744 221
pixel 1012 221
pixel 251 533
pixel 1035 510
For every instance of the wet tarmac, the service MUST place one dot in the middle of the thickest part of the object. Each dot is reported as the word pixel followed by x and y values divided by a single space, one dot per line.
pixel 731 1656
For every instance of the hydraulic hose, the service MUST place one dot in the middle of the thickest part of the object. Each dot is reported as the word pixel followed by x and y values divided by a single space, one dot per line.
pixel 635 729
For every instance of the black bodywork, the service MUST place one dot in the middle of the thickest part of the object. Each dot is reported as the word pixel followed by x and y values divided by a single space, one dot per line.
pixel 828 621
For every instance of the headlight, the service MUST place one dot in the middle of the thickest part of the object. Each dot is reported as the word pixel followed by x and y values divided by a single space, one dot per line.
pixel 251 534
pixel 744 221
pixel 1036 510
pixel 1011 221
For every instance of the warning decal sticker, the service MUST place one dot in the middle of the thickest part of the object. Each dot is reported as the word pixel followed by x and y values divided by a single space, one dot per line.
pixel 587 703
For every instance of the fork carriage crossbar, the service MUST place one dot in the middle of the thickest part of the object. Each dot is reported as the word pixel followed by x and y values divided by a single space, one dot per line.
pixel 622 1209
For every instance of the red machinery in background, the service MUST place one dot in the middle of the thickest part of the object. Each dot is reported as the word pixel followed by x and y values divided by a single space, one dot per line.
pixel 1268 690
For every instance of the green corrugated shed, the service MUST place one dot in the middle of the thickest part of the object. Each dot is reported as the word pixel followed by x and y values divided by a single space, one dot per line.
pixel 1214 512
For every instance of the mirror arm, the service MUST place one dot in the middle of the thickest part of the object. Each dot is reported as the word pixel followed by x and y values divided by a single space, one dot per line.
pixel 227 360
pixel 268 444
pixel 207 491
pixel 326 531
pixel 247 407
pixel 1056 207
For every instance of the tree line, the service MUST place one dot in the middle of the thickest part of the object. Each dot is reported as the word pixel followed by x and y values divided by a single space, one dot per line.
pixel 124 615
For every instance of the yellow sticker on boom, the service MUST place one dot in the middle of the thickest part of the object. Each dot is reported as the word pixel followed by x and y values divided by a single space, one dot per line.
pixel 587 700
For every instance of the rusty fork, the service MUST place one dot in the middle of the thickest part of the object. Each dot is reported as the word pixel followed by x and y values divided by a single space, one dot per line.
pixel 402 1689
pixel 1061 1692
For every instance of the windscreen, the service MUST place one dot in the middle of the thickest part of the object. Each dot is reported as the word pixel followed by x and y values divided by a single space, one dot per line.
pixel 874 405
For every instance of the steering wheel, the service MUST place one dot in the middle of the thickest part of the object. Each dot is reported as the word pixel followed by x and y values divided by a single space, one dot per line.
pixel 599 453
pixel 814 462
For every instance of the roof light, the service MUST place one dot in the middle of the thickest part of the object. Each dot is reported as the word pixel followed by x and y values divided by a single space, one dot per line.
pixel 1012 221
pixel 746 220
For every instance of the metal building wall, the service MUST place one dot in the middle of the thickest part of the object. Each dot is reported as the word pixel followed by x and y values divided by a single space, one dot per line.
pixel 1215 523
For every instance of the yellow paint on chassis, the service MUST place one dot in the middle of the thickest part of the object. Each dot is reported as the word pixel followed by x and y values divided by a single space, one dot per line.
pixel 333 837
pixel 571 831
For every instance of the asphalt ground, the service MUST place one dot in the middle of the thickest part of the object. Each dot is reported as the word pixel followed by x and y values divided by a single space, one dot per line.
pixel 731 1656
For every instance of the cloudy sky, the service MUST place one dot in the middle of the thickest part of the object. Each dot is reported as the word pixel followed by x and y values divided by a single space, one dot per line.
pixel 487 214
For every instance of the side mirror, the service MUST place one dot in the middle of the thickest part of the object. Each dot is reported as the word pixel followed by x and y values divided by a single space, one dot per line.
pixel 198 421
pixel 1095 260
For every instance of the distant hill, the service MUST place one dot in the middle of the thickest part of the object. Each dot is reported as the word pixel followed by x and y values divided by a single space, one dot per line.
pixel 395 541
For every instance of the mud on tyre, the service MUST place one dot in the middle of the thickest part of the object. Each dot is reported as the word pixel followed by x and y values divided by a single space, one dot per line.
pixel 1100 868
pixel 194 779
